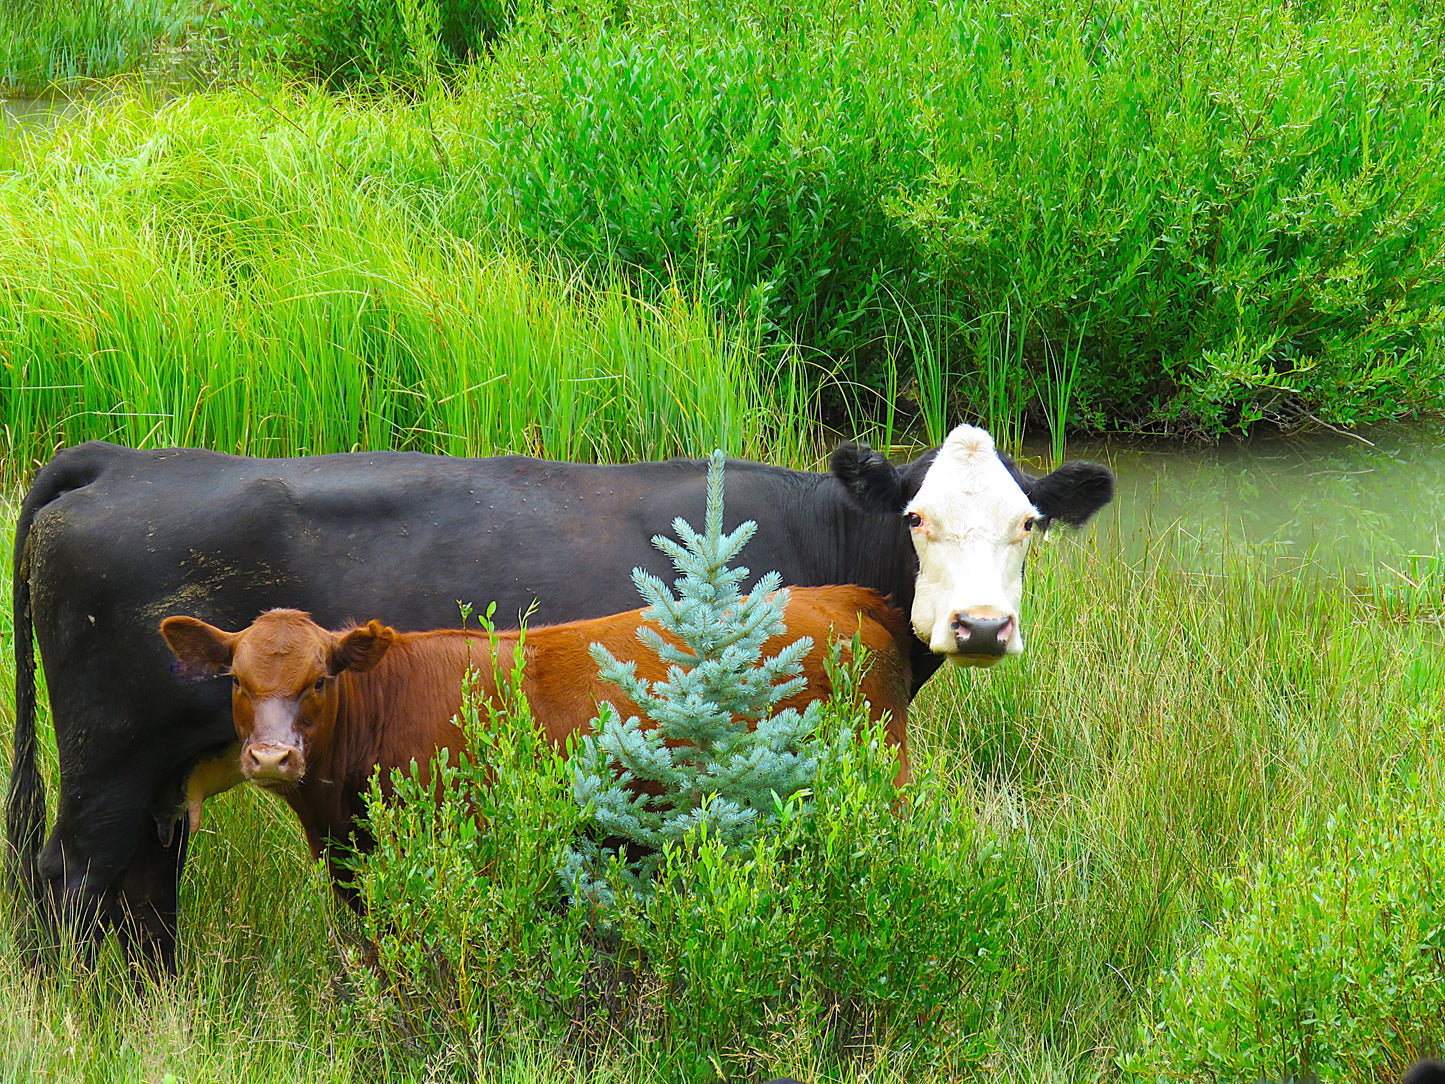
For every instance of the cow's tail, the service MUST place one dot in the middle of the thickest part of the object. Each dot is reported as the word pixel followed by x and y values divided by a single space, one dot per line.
pixel 25 807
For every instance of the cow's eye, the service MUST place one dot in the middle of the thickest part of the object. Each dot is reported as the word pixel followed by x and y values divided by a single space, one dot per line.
pixel 1030 523
pixel 320 684
pixel 913 519
pixel 235 682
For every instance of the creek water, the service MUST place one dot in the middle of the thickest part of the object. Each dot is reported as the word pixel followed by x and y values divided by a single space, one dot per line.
pixel 33 114
pixel 1325 502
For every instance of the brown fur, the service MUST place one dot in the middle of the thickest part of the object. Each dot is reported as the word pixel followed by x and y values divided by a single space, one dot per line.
pixel 387 698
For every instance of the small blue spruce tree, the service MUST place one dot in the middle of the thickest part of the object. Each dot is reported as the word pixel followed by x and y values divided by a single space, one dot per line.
pixel 713 752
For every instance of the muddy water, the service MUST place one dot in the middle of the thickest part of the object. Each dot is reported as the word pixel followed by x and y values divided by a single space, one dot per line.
pixel 1323 502
pixel 18 115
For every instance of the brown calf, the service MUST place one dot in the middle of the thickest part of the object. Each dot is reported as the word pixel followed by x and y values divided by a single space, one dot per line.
pixel 317 712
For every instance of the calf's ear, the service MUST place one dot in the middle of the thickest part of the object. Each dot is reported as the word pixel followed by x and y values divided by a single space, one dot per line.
pixel 869 478
pixel 1073 492
pixel 361 649
pixel 202 651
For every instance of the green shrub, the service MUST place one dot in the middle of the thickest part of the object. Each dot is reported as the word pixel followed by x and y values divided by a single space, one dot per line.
pixel 706 144
pixel 1132 206
pixel 463 905
pixel 343 41
pixel 1329 964
pixel 865 918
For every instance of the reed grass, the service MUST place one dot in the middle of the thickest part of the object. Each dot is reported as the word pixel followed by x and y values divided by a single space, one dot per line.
pixel 199 298
pixel 45 44
pixel 1178 714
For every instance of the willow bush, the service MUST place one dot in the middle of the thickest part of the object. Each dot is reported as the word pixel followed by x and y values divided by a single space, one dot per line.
pixel 861 919
pixel 342 42
pixel 1329 961
pixel 1224 213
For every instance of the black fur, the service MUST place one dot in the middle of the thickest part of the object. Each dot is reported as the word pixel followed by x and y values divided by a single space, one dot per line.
pixel 869 478
pixel 1072 493
pixel 1425 1071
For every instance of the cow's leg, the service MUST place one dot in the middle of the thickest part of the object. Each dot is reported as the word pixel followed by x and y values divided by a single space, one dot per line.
pixel 104 866
pixel 70 915
pixel 146 909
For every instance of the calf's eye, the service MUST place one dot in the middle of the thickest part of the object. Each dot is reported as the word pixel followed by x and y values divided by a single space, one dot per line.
pixel 320 684
pixel 1029 523
pixel 913 519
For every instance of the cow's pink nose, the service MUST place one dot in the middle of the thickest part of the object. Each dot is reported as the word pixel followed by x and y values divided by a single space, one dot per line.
pixel 981 634
pixel 273 761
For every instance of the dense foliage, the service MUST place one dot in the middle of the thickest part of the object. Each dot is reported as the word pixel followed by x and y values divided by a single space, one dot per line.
pixel 1329 964
pixel 1179 217
pixel 343 41
pixel 806 936
pixel 1183 225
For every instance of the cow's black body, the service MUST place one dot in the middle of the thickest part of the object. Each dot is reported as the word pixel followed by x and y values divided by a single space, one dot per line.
pixel 111 540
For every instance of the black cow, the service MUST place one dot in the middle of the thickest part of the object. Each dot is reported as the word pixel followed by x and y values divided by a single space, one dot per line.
pixel 111 540
pixel 1425 1071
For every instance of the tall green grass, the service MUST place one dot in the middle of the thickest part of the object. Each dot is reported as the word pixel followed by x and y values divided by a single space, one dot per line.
pixel 1177 713
pixel 45 43
pixel 1177 716
pixel 1186 217
pixel 198 295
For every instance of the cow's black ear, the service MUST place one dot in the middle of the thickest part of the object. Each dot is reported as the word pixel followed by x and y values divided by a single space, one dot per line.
pixel 868 477
pixel 202 651
pixel 361 649
pixel 1073 492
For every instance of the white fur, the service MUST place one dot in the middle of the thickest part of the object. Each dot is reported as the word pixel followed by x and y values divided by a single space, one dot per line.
pixel 971 544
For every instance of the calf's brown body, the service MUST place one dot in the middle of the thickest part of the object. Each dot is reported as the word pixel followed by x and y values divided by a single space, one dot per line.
pixel 318 712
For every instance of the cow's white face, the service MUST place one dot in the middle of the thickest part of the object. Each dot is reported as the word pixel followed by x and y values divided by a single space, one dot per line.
pixel 971 525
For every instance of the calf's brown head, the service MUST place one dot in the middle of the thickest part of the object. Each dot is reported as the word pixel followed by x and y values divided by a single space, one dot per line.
pixel 283 671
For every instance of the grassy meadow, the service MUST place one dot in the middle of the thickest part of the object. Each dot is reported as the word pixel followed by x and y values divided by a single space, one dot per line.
pixel 1177 719
pixel 608 231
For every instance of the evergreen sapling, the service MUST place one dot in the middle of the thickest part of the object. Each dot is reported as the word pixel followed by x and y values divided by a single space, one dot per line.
pixel 720 762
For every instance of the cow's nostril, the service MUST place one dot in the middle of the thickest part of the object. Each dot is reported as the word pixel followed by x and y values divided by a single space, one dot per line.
pixel 272 762
pixel 982 634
